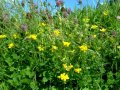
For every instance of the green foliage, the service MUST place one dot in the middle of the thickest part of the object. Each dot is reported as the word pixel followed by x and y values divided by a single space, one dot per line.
pixel 65 51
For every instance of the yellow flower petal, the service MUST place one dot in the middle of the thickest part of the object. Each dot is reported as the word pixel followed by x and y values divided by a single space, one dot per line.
pixel 77 70
pixel 83 48
pixel 66 44
pixel 11 45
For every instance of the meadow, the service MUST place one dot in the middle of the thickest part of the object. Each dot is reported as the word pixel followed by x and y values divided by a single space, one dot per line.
pixel 67 50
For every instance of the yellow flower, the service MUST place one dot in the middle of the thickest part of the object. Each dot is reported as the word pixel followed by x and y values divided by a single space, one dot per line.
pixel 15 36
pixel 2 36
pixel 68 67
pixel 94 27
pixel 33 36
pixel 86 20
pixel 83 48
pixel 40 48
pixel 105 13
pixel 63 77
pixel 41 31
pixel 26 33
pixel 57 32
pixel 103 30
pixel 42 24
pixel 77 70
pixel 11 45
pixel 66 44
pixel 65 66
pixel 87 25
pixel 54 48
pixel 94 36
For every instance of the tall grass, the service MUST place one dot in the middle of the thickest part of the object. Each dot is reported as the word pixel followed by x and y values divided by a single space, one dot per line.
pixel 67 50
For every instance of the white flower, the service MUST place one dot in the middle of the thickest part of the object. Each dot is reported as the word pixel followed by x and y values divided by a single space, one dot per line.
pixel 118 17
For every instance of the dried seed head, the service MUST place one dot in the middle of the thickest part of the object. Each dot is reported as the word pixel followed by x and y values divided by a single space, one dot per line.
pixel 23 3
pixel 28 16
pixel 63 9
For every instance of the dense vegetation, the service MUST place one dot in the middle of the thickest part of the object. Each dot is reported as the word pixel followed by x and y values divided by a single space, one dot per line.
pixel 64 50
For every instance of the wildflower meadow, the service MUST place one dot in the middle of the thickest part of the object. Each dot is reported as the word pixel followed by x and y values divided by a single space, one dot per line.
pixel 55 48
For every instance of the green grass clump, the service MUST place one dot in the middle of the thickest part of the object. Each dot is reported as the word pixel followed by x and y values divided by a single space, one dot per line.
pixel 76 50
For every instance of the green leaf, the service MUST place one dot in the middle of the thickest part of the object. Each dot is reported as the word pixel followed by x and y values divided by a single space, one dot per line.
pixel 15 56
pixel 44 79
pixel 9 61
pixel 53 88
pixel 12 68
pixel 85 89
pixel 34 86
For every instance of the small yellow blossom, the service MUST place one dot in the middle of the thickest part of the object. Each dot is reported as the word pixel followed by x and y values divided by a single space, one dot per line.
pixel 94 27
pixel 83 48
pixel 57 32
pixel 54 48
pixel 63 77
pixel 94 36
pixel 33 36
pixel 41 31
pixel 103 30
pixel 87 25
pixel 26 33
pixel 42 24
pixel 66 44
pixel 40 48
pixel 65 66
pixel 68 67
pixel 15 36
pixel 2 36
pixel 105 13
pixel 11 45
pixel 86 20
pixel 77 70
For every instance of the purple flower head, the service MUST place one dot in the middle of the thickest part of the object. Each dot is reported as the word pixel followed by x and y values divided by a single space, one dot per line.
pixel 24 27
pixel 59 3
pixel 65 14
pixel 68 10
